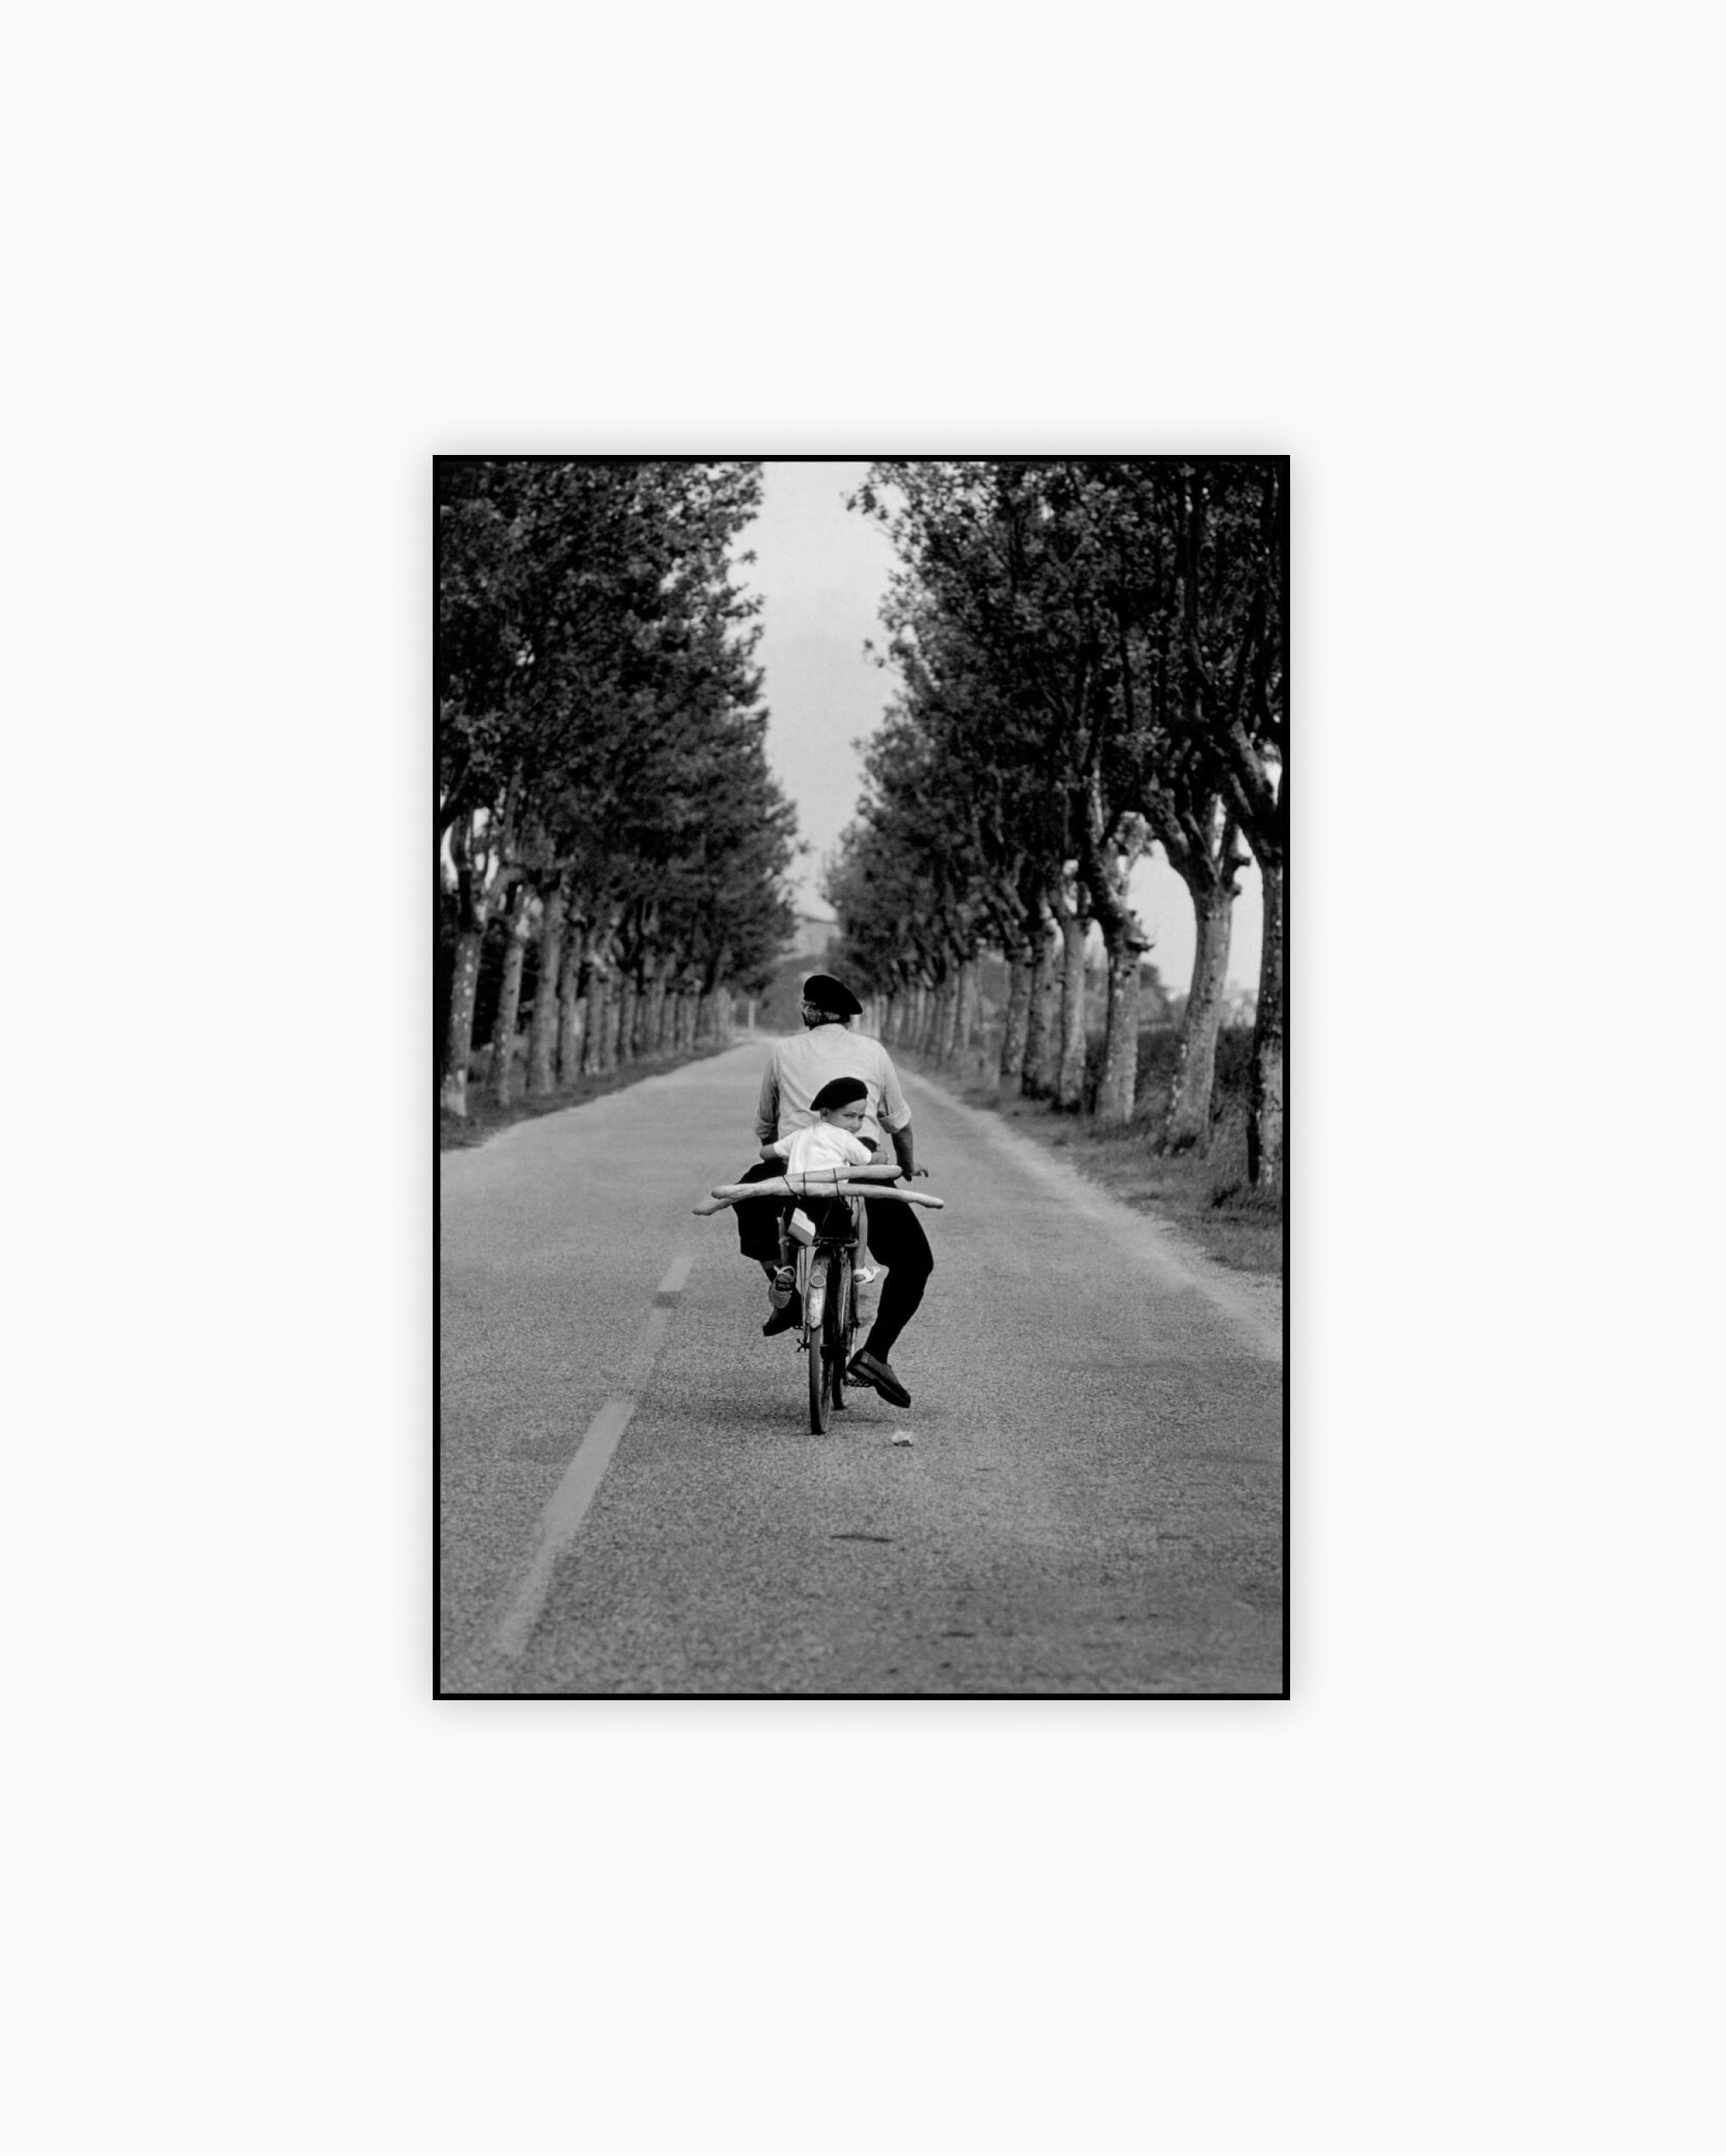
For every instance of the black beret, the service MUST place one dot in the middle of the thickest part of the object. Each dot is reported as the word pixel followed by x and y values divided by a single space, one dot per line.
pixel 827 994
pixel 837 1091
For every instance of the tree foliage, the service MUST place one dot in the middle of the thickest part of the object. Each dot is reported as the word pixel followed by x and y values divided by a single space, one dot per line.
pixel 1091 660
pixel 601 742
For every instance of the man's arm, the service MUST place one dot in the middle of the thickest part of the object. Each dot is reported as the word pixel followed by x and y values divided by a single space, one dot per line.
pixel 767 1108
pixel 894 1116
pixel 901 1146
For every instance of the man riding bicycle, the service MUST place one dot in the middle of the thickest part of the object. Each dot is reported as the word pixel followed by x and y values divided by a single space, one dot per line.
pixel 796 1070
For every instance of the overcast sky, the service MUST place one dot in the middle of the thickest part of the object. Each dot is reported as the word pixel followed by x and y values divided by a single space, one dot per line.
pixel 821 570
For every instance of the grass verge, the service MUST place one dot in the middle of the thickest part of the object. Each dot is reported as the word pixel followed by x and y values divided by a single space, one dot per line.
pixel 486 1115
pixel 1206 1196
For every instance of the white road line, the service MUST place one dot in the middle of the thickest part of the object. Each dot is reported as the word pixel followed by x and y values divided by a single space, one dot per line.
pixel 565 1510
pixel 640 1367
pixel 567 1506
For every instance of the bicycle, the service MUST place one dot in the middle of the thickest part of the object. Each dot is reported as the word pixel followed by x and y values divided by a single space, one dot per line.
pixel 826 1281
pixel 826 1278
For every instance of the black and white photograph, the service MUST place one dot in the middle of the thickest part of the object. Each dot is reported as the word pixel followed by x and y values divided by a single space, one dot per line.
pixel 903 968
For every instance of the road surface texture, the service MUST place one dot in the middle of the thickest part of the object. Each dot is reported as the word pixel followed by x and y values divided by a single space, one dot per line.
pixel 632 1501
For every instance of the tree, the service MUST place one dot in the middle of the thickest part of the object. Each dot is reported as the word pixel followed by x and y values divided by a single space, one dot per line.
pixel 601 751
pixel 1090 651
pixel 1234 579
pixel 1004 605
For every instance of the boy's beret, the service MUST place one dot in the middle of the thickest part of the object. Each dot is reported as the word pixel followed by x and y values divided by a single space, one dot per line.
pixel 838 1091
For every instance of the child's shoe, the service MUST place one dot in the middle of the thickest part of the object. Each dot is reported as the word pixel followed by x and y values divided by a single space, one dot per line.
pixel 784 1316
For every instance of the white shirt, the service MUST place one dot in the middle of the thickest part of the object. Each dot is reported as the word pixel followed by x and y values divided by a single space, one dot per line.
pixel 799 1067
pixel 822 1145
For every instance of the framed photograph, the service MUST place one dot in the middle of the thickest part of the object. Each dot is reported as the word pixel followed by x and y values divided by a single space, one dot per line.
pixel 861 977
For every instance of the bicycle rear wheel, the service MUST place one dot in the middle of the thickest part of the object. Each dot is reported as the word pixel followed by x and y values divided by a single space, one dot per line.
pixel 841 1325
pixel 818 1338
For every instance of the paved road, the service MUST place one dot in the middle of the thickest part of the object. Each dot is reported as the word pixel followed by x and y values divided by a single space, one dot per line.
pixel 632 1503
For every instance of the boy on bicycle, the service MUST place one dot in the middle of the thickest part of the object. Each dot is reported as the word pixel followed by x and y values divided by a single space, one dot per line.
pixel 833 1141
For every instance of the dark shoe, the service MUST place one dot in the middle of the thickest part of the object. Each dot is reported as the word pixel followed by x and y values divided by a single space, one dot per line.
pixel 782 1321
pixel 869 1369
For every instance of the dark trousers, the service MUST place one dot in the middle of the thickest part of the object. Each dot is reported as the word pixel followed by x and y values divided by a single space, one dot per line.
pixel 896 1240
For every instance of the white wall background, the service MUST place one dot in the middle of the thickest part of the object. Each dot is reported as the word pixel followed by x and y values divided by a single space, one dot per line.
pixel 1461 1892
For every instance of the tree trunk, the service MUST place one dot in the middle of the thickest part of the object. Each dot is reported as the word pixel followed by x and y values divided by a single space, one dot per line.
pixel 483 878
pixel 653 1022
pixel 542 1046
pixel 1188 1122
pixel 1020 973
pixel 1118 1085
pixel 509 1002
pixel 459 1040
pixel 970 996
pixel 1042 1019
pixel 947 1016
pixel 628 1002
pixel 1264 1121
pixel 593 1061
pixel 572 1020
pixel 1070 1080
pixel 610 1046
